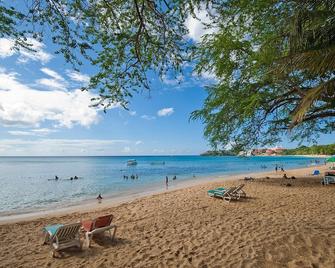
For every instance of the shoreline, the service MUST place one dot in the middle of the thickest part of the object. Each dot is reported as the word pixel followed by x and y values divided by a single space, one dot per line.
pixel 281 223
pixel 90 205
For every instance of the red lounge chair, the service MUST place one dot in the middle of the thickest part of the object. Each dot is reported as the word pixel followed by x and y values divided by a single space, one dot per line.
pixel 97 226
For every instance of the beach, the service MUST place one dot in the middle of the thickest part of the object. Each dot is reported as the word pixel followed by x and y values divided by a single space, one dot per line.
pixel 275 226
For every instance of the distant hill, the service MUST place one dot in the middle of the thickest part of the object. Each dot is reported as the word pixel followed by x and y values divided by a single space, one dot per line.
pixel 302 150
pixel 218 153
pixel 315 149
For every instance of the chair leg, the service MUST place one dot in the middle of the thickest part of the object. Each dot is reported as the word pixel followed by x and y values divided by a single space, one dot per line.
pixel 44 238
pixel 114 231
pixel 87 240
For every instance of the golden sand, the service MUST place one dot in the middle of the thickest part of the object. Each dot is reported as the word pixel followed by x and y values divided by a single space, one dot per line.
pixel 276 226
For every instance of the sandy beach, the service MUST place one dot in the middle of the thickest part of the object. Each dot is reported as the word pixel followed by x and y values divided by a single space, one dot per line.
pixel 276 226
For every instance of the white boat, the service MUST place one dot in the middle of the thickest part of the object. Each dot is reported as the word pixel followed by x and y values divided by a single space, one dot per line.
pixel 131 162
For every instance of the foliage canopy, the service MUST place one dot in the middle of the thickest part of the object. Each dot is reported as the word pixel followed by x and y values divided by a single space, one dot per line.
pixel 123 39
pixel 328 149
pixel 273 60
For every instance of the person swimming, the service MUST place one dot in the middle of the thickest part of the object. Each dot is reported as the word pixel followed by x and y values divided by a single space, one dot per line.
pixel 174 177
pixel 56 178
pixel 76 178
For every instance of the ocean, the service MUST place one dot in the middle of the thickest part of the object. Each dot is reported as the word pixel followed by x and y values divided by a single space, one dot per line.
pixel 27 183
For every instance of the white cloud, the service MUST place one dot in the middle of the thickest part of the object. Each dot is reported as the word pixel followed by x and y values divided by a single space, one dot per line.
pixel 45 146
pixel 53 83
pixel 78 77
pixel 39 54
pixel 132 113
pixel 56 82
pixel 138 142
pixel 6 46
pixel 172 81
pixel 20 133
pixel 43 131
pixel 21 105
pixel 34 132
pixel 52 73
pixel 208 76
pixel 197 26
pixel 148 117
pixel 165 112
pixel 36 53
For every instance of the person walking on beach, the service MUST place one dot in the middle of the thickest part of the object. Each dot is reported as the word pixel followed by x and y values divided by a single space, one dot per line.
pixel 99 198
pixel 276 168
pixel 167 181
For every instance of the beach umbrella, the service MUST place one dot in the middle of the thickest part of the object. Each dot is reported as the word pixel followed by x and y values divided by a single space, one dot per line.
pixel 331 159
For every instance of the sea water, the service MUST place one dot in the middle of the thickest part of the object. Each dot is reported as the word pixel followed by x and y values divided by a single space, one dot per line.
pixel 26 183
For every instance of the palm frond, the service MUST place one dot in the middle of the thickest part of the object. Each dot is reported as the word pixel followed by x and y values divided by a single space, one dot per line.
pixel 310 97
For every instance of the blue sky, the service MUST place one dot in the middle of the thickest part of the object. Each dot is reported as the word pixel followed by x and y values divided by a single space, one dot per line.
pixel 43 112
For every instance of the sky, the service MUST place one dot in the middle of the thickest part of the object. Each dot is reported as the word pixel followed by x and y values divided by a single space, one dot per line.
pixel 44 112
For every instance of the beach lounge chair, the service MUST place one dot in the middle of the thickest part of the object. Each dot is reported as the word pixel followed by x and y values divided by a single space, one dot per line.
pixel 212 192
pixel 329 178
pixel 98 226
pixel 226 194
pixel 61 236
pixel 238 192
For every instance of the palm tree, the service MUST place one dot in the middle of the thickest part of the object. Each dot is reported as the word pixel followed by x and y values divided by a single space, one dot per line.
pixel 311 51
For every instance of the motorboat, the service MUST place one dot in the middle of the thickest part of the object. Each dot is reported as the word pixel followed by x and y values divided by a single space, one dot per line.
pixel 131 162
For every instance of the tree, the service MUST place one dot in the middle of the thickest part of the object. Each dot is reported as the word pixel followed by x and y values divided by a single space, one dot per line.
pixel 123 39
pixel 274 60
pixel 274 63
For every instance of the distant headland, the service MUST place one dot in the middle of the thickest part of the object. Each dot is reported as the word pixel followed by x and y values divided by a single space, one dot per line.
pixel 315 150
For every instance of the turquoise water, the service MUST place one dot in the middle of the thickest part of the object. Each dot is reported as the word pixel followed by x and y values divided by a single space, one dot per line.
pixel 25 181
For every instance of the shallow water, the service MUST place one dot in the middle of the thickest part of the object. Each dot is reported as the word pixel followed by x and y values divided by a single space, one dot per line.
pixel 26 182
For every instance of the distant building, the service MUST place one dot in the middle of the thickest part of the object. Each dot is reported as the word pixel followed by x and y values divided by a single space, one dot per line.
pixel 268 151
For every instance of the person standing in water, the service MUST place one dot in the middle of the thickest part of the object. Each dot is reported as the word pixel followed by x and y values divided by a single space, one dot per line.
pixel 276 168
pixel 167 181
pixel 99 198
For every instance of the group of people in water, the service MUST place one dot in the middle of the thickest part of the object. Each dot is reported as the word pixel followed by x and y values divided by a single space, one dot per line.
pixel 71 178
pixel 132 176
